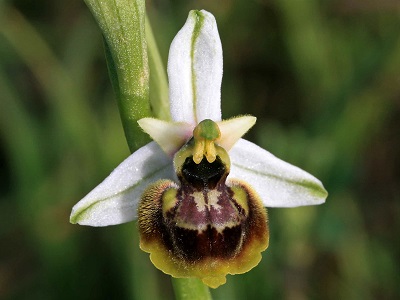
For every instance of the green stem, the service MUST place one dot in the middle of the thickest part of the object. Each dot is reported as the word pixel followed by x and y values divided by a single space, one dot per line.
pixel 190 289
pixel 122 23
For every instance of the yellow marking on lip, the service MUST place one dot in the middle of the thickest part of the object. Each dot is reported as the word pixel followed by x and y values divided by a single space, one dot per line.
pixel 200 201
pixel 169 199
pixel 240 196
pixel 212 197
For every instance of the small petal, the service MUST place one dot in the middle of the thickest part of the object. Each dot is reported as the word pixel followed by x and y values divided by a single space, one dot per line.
pixel 195 70
pixel 279 183
pixel 169 136
pixel 233 129
pixel 115 200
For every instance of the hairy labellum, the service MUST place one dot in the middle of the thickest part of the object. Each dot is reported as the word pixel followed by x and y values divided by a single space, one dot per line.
pixel 206 227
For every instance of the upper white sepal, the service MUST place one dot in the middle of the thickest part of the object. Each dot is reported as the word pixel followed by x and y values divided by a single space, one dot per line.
pixel 195 70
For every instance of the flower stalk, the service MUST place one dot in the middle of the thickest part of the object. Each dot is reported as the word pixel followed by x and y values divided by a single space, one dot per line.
pixel 190 289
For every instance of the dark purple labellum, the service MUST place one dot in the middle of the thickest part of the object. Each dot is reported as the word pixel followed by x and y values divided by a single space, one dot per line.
pixel 205 227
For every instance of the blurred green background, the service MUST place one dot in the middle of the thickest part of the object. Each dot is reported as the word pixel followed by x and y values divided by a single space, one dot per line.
pixel 323 79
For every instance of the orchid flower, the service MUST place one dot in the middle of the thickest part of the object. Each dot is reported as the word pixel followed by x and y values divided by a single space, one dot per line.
pixel 198 190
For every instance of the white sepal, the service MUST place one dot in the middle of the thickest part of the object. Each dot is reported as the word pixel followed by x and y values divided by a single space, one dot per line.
pixel 195 70
pixel 115 200
pixel 278 183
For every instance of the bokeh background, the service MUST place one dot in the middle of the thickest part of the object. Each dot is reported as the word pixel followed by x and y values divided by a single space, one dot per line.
pixel 323 79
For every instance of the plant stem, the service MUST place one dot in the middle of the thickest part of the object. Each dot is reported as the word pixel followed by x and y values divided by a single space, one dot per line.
pixel 190 289
pixel 122 23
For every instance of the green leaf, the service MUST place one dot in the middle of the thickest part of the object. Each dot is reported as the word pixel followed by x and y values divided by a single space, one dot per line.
pixel 159 99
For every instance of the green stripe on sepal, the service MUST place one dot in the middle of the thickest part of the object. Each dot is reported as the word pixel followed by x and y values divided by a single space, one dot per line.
pixel 279 183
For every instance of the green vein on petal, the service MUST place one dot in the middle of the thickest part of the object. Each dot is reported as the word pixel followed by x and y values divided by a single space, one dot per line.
pixel 278 183
pixel 199 21
pixel 82 213
pixel 314 188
